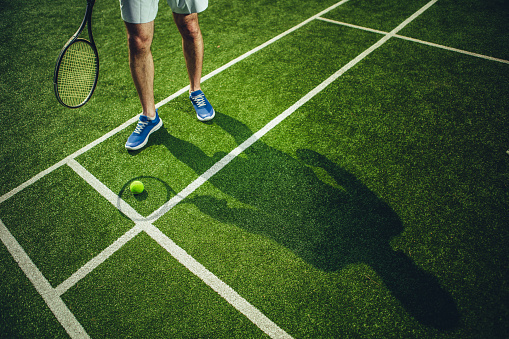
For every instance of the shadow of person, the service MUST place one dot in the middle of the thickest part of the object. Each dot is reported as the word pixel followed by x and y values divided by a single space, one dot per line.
pixel 327 225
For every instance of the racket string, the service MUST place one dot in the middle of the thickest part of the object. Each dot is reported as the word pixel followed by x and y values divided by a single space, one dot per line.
pixel 77 73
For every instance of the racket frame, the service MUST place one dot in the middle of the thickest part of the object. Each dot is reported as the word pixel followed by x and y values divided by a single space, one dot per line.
pixel 87 21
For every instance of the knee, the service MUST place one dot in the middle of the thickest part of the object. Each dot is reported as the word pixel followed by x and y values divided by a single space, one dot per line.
pixel 139 43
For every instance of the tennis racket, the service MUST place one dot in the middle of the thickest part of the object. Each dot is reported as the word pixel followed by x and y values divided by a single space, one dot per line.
pixel 77 67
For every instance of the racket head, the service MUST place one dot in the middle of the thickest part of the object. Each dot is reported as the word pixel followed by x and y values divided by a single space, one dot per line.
pixel 76 73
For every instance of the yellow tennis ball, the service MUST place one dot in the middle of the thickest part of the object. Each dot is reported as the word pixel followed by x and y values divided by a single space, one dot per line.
pixel 136 187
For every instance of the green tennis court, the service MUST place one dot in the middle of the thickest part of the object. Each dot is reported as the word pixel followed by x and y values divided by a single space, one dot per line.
pixel 354 182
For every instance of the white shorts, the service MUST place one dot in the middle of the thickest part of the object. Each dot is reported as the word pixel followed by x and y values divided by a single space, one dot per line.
pixel 143 11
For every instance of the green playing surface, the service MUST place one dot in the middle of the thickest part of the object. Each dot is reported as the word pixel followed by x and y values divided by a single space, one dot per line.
pixel 354 182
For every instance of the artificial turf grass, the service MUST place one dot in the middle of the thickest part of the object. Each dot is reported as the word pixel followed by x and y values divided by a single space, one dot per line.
pixel 478 26
pixel 143 292
pixel 232 28
pixel 434 238
pixel 304 300
pixel 23 313
pixel 270 81
pixel 62 222
pixel 402 101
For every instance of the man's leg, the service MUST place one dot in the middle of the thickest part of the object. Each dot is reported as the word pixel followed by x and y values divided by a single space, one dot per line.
pixel 141 63
pixel 192 45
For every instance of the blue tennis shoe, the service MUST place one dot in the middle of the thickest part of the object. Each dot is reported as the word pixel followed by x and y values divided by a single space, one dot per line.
pixel 203 108
pixel 145 127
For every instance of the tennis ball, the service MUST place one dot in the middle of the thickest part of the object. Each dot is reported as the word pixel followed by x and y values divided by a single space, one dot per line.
pixel 136 187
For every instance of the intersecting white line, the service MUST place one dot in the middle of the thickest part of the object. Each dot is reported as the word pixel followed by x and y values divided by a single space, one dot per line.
pixel 432 44
pixel 452 49
pixel 216 284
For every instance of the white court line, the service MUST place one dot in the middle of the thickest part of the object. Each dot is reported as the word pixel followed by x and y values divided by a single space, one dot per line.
pixel 161 103
pixel 216 284
pixel 225 291
pixel 115 246
pixel 41 284
pixel 352 25
pixel 97 260
pixel 432 44
pixel 452 49
pixel 32 180
pixel 113 198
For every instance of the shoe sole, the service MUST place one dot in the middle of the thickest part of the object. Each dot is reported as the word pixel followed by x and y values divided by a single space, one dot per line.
pixel 135 148
pixel 207 118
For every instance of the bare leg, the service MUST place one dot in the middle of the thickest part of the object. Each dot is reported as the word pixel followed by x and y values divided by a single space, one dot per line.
pixel 141 63
pixel 192 45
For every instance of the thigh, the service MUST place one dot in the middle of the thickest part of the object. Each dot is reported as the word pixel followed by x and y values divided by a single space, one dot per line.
pixel 187 24
pixel 188 6
pixel 139 11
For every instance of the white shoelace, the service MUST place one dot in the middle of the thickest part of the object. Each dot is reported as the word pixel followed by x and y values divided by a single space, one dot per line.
pixel 199 100
pixel 141 125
